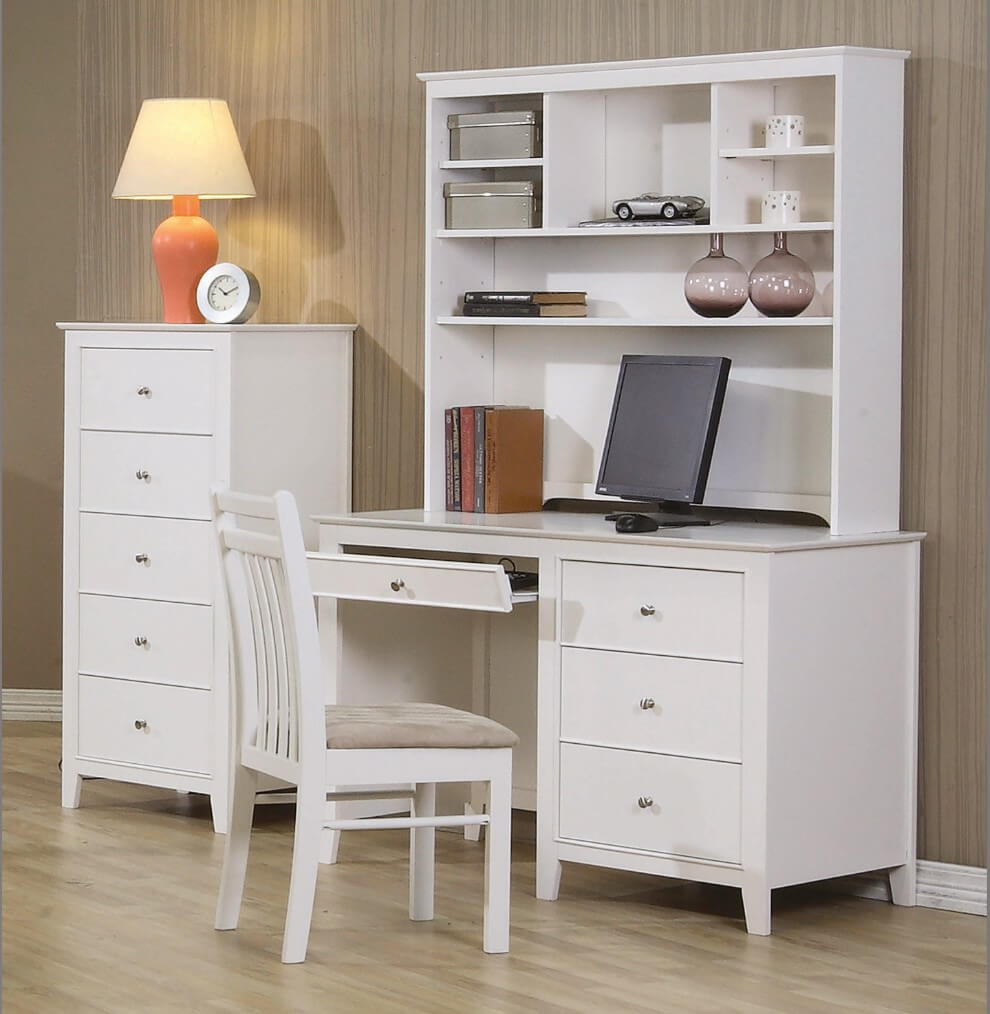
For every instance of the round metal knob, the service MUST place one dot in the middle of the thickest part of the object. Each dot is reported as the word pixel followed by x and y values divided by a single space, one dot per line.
pixel 145 392
pixel 141 642
pixel 142 474
pixel 141 558
pixel 645 802
pixel 397 584
pixel 647 702
pixel 647 610
pixel 140 723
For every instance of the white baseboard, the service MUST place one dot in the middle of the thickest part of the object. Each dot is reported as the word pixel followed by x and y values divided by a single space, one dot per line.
pixel 940 885
pixel 31 705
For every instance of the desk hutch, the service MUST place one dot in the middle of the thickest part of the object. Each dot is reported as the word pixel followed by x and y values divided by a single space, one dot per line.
pixel 735 704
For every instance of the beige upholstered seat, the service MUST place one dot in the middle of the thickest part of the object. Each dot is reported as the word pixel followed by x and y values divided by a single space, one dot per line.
pixel 407 726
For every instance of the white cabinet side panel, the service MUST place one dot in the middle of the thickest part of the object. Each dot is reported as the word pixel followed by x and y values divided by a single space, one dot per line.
pixel 842 674
pixel 868 268
pixel 291 419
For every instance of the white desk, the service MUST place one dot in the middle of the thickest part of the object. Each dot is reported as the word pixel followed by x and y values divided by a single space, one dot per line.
pixel 734 704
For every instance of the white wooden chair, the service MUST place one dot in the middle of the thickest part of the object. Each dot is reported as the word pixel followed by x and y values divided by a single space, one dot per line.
pixel 284 730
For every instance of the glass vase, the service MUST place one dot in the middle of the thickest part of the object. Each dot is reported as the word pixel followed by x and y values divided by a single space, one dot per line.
pixel 716 285
pixel 781 285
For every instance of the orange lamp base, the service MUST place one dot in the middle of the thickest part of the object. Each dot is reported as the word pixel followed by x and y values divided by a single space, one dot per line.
pixel 184 246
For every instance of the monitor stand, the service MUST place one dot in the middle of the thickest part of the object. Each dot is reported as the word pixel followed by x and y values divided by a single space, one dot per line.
pixel 669 514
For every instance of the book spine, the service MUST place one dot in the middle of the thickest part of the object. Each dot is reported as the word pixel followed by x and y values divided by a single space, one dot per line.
pixel 524 309
pixel 479 460
pixel 448 464
pixel 485 296
pixel 467 458
pixel 490 506
pixel 455 456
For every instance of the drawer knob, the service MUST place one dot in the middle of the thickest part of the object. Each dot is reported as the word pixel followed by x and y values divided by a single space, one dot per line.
pixel 142 475
pixel 140 723
pixel 647 702
pixel 397 585
pixel 647 610
pixel 141 558
pixel 145 392
pixel 645 802
pixel 141 642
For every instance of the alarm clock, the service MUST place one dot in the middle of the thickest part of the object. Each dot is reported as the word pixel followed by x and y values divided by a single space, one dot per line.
pixel 227 294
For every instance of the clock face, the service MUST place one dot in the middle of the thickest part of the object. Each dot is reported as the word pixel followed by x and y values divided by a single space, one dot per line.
pixel 223 292
pixel 227 294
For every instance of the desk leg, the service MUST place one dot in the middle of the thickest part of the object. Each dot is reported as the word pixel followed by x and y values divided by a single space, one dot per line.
pixel 756 905
pixel 548 866
pixel 481 639
pixel 903 884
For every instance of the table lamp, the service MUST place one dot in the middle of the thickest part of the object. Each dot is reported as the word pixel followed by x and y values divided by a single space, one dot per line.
pixel 183 150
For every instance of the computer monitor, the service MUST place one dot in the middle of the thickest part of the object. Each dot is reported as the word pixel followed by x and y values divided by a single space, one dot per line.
pixel 661 433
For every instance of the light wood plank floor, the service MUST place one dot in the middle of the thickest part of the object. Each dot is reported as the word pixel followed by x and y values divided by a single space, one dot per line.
pixel 109 908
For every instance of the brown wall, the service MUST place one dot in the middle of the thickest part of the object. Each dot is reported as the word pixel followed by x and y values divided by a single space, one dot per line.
pixel 331 116
pixel 40 239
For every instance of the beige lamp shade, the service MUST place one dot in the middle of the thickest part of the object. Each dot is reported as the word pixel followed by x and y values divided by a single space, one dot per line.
pixel 183 146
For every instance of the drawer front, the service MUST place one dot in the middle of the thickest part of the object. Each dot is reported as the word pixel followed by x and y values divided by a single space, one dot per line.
pixel 140 639
pixel 146 473
pixel 481 586
pixel 693 806
pixel 652 702
pixel 146 724
pixel 176 564
pixel 150 390
pixel 663 610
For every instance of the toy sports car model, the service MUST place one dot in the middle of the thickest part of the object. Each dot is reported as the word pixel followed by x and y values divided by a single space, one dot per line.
pixel 657 206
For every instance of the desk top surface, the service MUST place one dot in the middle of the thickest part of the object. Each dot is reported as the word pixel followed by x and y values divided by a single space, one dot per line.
pixel 754 536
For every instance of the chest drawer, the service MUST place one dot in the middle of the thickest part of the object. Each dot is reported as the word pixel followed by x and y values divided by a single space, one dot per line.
pixel 146 473
pixel 175 557
pixel 141 639
pixel 663 610
pixel 692 807
pixel 150 390
pixel 652 702
pixel 145 724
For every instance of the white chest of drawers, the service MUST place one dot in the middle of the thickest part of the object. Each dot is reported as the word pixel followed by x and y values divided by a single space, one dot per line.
pixel 155 414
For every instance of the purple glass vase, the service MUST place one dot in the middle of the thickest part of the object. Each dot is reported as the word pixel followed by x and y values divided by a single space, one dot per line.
pixel 717 285
pixel 781 285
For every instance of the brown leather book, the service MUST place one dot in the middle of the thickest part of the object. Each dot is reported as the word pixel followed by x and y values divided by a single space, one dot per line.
pixel 513 460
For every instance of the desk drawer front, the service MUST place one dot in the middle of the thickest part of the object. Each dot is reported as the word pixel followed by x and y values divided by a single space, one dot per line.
pixel 411 582
pixel 157 642
pixel 150 390
pixel 176 565
pixel 652 702
pixel 146 473
pixel 663 610
pixel 176 731
pixel 692 806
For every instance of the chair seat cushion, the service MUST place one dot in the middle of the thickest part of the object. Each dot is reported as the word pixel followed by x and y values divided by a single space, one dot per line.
pixel 398 726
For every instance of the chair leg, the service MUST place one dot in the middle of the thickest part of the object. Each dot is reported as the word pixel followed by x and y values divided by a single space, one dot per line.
pixel 498 854
pixel 422 864
pixel 329 837
pixel 305 866
pixel 235 851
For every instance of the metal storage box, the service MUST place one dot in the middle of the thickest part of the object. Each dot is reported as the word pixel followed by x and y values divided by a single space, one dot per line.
pixel 494 135
pixel 511 205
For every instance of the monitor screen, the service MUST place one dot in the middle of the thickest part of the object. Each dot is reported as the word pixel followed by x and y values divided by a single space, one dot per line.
pixel 662 429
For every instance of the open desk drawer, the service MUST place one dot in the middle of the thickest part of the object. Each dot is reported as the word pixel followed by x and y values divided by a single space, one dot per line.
pixel 483 586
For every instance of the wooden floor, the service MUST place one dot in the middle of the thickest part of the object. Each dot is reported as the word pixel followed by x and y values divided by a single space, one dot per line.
pixel 110 908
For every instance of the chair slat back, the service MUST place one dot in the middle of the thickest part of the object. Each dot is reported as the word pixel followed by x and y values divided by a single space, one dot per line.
pixel 277 680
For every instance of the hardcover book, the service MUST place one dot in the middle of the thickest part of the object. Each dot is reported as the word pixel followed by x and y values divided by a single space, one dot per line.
pixel 515 296
pixel 513 460
pixel 525 310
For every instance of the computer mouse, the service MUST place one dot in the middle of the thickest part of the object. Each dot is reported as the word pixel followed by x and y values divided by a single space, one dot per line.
pixel 635 523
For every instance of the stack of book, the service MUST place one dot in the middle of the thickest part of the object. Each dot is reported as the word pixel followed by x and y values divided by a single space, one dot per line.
pixel 489 303
pixel 493 459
